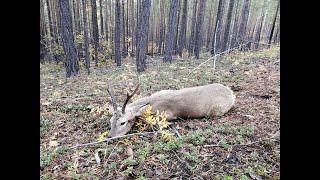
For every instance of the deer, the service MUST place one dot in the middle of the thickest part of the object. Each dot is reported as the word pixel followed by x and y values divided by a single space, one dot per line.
pixel 193 102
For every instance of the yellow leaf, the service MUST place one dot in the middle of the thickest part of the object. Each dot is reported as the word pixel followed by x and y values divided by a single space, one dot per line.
pixel 103 136
pixel 167 136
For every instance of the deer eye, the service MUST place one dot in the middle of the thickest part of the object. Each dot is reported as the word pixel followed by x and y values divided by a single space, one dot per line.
pixel 122 123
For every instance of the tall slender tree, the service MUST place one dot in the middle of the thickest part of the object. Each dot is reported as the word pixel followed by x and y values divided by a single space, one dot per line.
pixel 162 28
pixel 227 26
pixel 95 31
pixel 142 35
pixel 170 32
pixel 193 27
pixel 243 22
pixel 106 26
pixel 183 28
pixel 199 27
pixel 117 33
pixel 123 29
pixel 175 41
pixel 71 62
pixel 217 32
pixel 273 24
pixel 86 41
pixel 235 26
pixel 132 22
pixel 210 19
pixel 101 18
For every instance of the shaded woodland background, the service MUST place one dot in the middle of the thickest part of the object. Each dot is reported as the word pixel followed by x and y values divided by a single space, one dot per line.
pixel 79 32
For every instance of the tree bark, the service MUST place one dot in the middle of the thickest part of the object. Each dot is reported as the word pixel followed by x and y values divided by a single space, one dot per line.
pixel 235 27
pixel 177 28
pixel 244 21
pixel 142 35
pixel 273 24
pixel 86 41
pixel 123 29
pixel 199 27
pixel 183 28
pixel 117 34
pixel 95 31
pixel 106 21
pixel 209 27
pixel 227 28
pixel 162 29
pixel 218 28
pixel 101 18
pixel 71 62
pixel 193 27
pixel 170 32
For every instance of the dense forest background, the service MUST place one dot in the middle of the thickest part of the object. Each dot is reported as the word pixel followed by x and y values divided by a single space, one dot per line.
pixel 78 32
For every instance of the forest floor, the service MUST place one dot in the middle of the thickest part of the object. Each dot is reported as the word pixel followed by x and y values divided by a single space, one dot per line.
pixel 242 138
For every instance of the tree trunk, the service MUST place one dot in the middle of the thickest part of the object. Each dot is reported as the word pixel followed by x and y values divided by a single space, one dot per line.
pixel 177 28
pixel 170 32
pixel 142 35
pixel 193 27
pixel 85 36
pixel 162 29
pixel 49 19
pixel 132 22
pixel 209 27
pixel 244 21
pixel 71 63
pixel 183 28
pixel 199 27
pixel 273 24
pixel 127 28
pixel 95 31
pixel 117 34
pixel 235 27
pixel 106 21
pixel 123 28
pixel 101 18
pixel 227 27
pixel 218 28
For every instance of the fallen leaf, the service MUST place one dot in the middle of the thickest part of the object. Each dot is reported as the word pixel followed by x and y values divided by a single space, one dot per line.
pixel 96 155
pixel 53 143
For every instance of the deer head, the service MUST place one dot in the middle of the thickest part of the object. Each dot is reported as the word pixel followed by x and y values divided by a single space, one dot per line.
pixel 123 118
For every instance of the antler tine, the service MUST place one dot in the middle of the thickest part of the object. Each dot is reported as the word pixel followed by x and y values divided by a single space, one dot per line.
pixel 113 99
pixel 128 98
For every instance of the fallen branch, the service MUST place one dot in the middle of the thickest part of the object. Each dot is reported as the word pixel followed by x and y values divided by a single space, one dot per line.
pixel 216 55
pixel 109 139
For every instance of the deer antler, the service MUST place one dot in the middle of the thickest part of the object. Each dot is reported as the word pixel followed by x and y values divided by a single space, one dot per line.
pixel 128 98
pixel 113 99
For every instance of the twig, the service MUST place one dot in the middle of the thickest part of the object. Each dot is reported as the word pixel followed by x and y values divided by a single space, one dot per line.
pixel 176 131
pixel 182 161
pixel 109 139
pixel 248 144
pixel 216 55
pixel 112 151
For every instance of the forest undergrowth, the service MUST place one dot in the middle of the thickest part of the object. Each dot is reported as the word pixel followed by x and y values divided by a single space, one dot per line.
pixel 75 111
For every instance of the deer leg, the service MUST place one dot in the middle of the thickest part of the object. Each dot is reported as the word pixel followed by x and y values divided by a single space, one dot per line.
pixel 170 115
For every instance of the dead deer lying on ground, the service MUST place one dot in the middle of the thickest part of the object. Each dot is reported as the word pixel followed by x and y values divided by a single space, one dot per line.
pixel 195 102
